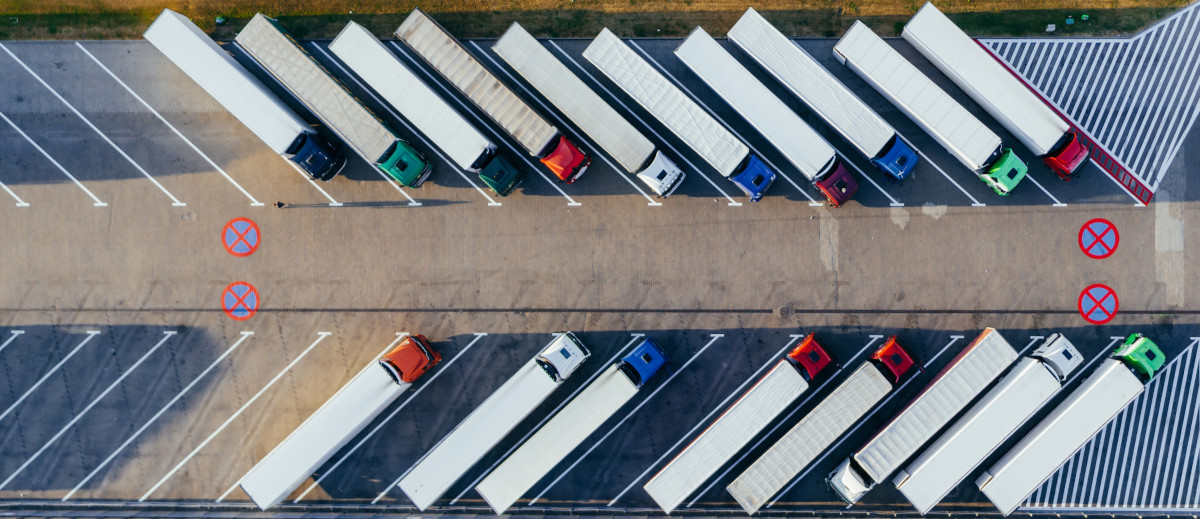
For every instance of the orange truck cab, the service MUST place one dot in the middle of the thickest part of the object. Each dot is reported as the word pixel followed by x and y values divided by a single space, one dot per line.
pixel 565 160
pixel 411 359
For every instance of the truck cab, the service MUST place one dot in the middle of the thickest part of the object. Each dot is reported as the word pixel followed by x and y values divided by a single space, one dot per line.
pixel 1067 156
pixel 411 359
pixel 897 159
pixel 563 356
pixel 315 156
pixel 1141 355
pixel 565 160
pixel 643 362
pixel 838 185
pixel 753 177
pixel 662 176
pixel 1059 356
pixel 809 358
pixel 895 361
pixel 1005 172
pixel 497 173
pixel 405 164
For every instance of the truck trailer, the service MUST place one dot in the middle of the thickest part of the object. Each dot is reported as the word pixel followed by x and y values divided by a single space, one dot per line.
pixel 978 74
pixel 265 41
pixel 227 81
pixel 489 423
pixel 964 378
pixel 1013 401
pixel 338 421
pixel 760 405
pixel 797 71
pixel 449 58
pixel 961 133
pixel 549 76
pixel 1073 423
pixel 865 388
pixel 383 72
pixel 798 142
pixel 703 134
pixel 551 444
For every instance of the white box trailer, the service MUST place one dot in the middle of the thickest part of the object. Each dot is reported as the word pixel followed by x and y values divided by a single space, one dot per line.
pixel 789 134
pixel 963 379
pixel 1072 424
pixel 489 423
pixel 551 444
pixel 961 133
pixel 632 150
pixel 996 89
pixel 231 85
pixel 796 70
pixel 963 447
pixel 738 425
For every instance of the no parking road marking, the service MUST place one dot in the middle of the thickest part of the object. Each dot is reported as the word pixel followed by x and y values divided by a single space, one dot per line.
pixel 240 300
pixel 1098 238
pixel 1098 304
pixel 241 237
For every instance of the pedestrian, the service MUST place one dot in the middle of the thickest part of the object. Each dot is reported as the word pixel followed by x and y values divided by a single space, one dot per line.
pixel 280 204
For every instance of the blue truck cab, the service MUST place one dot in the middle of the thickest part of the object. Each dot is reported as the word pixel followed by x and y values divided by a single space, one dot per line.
pixel 897 159
pixel 753 177
pixel 315 156
pixel 643 362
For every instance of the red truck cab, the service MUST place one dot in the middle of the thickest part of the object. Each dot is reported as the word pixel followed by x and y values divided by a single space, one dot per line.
pixel 565 160
pixel 894 359
pixel 1066 158
pixel 411 359
pixel 809 357
pixel 839 185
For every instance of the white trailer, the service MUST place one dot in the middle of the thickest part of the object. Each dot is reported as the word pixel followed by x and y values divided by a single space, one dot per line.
pixel 794 138
pixel 1013 401
pixel 489 423
pixel 996 89
pixel 796 70
pixel 703 134
pixel 1072 424
pixel 198 56
pixel 581 105
pixel 964 378
pixel 961 133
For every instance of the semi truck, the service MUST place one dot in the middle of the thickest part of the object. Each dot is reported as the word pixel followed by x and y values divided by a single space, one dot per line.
pixel 265 41
pixel 338 421
pixel 797 71
pixel 383 72
pixel 760 405
pixel 231 85
pixel 449 58
pixel 1071 424
pixel 695 127
pixel 798 142
pixel 632 150
pixel 1007 406
pixel 568 429
pixel 961 133
pixel 997 90
pixel 489 423
pixel 963 379
pixel 865 388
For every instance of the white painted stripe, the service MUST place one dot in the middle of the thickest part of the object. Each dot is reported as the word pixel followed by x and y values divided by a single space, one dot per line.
pixel 1176 129
pixel 20 203
pixel 1161 430
pixel 1091 52
pixel 1167 95
pixel 1043 61
pixel 1189 429
pixel 1044 190
pixel 1187 495
pixel 974 202
pixel 90 335
pixel 95 201
pixel 1156 75
pixel 13 334
pixel 1051 90
pixel 1110 80
pixel 1149 57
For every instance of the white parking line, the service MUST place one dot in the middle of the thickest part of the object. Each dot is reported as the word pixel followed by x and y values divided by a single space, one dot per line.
pixel 174 201
pixel 771 361
pixel 136 434
pixel 1039 186
pixel 386 419
pixel 20 203
pixel 465 109
pixel 237 413
pixel 96 201
pixel 863 174
pixel 187 141
pixel 661 140
pixel 90 335
pixel 166 335
pixel 715 337
pixel 974 202
pixel 13 334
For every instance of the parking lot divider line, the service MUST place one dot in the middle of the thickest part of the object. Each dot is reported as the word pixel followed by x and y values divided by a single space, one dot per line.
pixel 322 336
pixel 1039 186
pixel 20 203
pixel 861 173
pixel 91 334
pixel 974 202
pixel 166 335
pixel 187 141
pixel 96 201
pixel 174 201
pixel 136 434
pixel 13 334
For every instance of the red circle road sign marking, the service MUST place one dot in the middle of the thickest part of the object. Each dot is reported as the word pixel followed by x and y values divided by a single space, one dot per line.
pixel 240 237
pixel 1098 238
pixel 1098 304
pixel 240 300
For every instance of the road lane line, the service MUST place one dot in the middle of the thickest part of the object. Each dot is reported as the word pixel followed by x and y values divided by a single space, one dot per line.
pixel 1186 425
pixel 174 201
pixel 974 202
pixel 96 201
pixel 1039 186
pixel 20 203
pixel 166 335
pixel 233 417
pixel 90 335
pixel 863 174
pixel 12 337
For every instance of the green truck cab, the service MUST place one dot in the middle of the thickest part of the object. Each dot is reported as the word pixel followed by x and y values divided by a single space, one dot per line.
pixel 1141 355
pixel 405 164
pixel 499 175
pixel 1005 172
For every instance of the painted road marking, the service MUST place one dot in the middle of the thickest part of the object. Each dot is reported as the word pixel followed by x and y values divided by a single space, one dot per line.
pixel 20 203
pixel 220 170
pixel 1098 238
pixel 1044 190
pixel 95 201
pixel 166 335
pixel 579 68
pixel 237 413
pixel 429 79
pixel 240 237
pixel 90 335
pixel 1098 304
pixel 387 419
pixel 174 201
pixel 240 300
pixel 136 434
pixel 13 334
pixel 974 202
